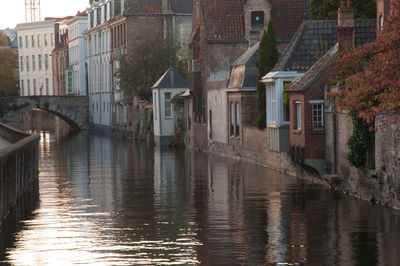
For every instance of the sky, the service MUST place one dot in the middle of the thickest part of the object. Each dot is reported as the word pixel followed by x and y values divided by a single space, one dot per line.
pixel 12 12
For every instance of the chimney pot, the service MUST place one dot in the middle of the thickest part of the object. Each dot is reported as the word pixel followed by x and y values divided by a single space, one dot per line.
pixel 348 3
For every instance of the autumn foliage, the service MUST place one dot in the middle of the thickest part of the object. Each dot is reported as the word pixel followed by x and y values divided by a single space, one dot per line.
pixel 372 73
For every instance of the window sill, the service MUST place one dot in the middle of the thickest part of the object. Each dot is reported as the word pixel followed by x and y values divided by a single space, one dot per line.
pixel 318 130
pixel 297 131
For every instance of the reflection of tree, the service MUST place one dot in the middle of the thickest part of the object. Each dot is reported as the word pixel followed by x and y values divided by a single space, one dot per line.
pixel 364 248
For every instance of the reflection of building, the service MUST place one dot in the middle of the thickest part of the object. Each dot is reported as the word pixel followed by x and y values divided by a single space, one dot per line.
pixel 35 44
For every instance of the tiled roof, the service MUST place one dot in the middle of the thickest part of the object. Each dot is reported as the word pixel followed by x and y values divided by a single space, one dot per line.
pixel 155 7
pixel 315 71
pixel 182 6
pixel 244 71
pixel 171 79
pixel 288 16
pixel 315 37
pixel 249 57
pixel 224 20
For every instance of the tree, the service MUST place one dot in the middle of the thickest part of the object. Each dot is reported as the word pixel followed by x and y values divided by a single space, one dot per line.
pixel 372 84
pixel 371 73
pixel 147 59
pixel 327 9
pixel 267 58
pixel 8 66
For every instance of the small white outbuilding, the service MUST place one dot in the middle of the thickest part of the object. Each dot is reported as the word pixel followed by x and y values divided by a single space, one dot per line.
pixel 169 85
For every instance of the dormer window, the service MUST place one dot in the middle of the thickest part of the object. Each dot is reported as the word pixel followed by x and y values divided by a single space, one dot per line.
pixel 257 19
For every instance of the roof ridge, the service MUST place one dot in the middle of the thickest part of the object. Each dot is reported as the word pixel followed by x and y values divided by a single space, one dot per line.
pixel 289 49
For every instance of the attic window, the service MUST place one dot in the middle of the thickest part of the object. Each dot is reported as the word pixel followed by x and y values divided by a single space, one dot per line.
pixel 257 19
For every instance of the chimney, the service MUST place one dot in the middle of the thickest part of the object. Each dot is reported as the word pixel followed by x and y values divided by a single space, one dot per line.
pixel 165 8
pixel 345 28
pixel 57 35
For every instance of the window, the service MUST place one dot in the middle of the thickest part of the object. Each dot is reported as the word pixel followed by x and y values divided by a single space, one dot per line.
pixel 155 106
pixel 34 86
pixel 317 115
pixel 40 61
pixel 286 105
pixel 210 122
pixel 271 105
pixel 20 42
pixel 22 87
pixel 38 40
pixel 27 63
pixel 234 114
pixel 237 120
pixel 232 119
pixel 33 41
pixel 46 42
pixel 33 63
pixel 189 115
pixel 21 63
pixel 167 106
pixel 26 42
pixel 47 86
pixel 52 39
pixel 257 19
pixel 297 124
pixel 46 61
pixel 28 83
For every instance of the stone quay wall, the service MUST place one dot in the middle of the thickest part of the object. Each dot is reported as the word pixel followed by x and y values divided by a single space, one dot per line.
pixel 18 167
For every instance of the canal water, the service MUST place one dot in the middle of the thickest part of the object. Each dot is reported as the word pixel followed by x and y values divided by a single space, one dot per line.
pixel 107 201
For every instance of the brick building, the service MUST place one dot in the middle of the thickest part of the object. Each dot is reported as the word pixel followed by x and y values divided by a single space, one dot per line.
pixel 222 32
pixel 307 94
pixel 60 56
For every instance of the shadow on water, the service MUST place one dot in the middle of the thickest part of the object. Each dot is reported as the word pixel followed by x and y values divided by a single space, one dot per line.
pixel 24 210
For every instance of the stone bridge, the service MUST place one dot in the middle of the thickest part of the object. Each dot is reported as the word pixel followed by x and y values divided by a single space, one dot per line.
pixel 72 109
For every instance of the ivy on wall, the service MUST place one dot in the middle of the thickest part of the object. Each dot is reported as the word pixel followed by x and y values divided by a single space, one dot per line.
pixel 360 141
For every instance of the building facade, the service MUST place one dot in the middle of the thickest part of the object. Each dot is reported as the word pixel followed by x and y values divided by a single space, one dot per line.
pixel 60 56
pixel 76 72
pixel 99 63
pixel 35 45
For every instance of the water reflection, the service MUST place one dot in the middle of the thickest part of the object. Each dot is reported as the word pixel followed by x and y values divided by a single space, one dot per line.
pixel 106 201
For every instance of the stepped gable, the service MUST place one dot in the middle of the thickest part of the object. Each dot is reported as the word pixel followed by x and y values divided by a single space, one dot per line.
pixel 171 79
pixel 315 38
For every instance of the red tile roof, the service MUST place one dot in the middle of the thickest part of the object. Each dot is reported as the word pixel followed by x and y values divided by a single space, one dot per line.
pixel 288 16
pixel 224 20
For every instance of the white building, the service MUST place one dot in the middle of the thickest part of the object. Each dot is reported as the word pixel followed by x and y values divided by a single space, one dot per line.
pixel 35 45
pixel 278 119
pixel 99 63
pixel 169 85
pixel 76 74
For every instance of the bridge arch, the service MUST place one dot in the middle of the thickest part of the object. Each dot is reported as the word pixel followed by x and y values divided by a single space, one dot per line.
pixel 74 110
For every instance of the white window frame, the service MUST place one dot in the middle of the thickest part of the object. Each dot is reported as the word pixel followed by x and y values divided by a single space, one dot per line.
pixel 315 103
pixel 298 115
pixel 271 104
pixel 167 105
